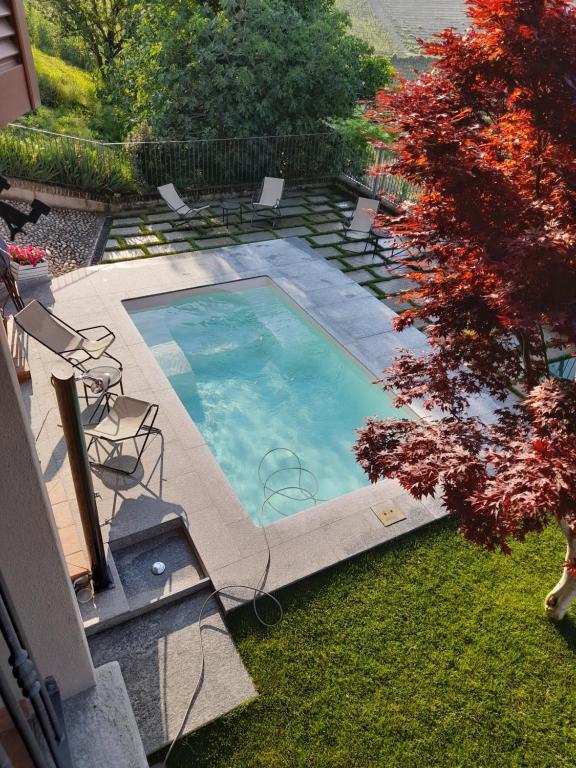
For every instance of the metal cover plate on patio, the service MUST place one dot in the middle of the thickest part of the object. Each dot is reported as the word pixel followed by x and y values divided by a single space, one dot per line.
pixel 387 513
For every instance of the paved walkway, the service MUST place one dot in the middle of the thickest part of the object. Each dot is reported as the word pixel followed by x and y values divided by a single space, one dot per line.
pixel 159 655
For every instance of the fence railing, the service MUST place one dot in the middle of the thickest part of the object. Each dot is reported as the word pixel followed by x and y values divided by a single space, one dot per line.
pixel 383 184
pixel 109 169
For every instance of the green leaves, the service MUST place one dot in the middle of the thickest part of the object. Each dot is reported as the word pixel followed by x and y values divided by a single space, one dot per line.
pixel 255 67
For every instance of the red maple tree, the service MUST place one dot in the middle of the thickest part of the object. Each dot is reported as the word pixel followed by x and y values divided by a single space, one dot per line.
pixel 489 136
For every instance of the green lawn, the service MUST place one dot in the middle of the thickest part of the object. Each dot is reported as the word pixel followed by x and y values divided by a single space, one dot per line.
pixel 428 652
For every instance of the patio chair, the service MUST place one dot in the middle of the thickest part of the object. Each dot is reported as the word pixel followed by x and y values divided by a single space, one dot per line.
pixel 8 278
pixel 126 420
pixel 360 226
pixel 266 203
pixel 173 200
pixel 68 343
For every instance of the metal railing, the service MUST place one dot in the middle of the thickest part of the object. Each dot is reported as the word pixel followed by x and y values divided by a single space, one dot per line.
pixel 198 165
pixel 379 183
pixel 43 696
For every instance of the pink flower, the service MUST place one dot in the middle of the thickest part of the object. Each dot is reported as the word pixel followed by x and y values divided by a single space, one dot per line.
pixel 26 254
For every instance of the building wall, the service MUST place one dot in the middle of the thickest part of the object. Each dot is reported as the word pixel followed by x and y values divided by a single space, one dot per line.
pixel 30 554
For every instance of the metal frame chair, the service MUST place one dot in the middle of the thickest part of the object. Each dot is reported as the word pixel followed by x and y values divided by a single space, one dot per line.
pixel 171 197
pixel 8 278
pixel 126 420
pixel 62 339
pixel 266 202
pixel 360 225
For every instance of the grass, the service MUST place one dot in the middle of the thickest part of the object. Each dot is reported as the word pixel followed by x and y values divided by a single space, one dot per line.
pixel 429 652
pixel 63 85
pixel 367 26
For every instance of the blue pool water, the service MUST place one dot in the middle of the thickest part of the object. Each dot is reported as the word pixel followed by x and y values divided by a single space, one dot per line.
pixel 255 374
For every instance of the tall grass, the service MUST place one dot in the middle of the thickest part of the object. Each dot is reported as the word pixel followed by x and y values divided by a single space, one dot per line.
pixel 81 165
pixel 49 36
pixel 63 85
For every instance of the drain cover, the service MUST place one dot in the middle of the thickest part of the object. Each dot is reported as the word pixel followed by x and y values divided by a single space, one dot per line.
pixel 387 513
pixel 158 568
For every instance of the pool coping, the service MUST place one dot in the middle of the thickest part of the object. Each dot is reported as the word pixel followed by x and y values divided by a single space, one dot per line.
pixel 193 488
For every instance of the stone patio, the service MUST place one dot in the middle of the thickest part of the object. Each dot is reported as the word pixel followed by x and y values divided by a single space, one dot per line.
pixel 315 215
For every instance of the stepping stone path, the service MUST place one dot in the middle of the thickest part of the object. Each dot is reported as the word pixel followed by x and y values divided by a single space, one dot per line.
pixel 316 215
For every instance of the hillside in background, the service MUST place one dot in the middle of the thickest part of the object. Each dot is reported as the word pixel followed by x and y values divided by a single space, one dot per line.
pixel 393 26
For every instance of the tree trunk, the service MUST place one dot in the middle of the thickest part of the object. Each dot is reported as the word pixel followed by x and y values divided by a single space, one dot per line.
pixel 559 599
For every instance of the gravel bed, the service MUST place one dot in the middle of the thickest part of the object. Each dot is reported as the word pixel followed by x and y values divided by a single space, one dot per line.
pixel 70 236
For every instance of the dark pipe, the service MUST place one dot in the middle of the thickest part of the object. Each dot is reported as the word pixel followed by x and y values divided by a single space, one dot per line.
pixel 67 396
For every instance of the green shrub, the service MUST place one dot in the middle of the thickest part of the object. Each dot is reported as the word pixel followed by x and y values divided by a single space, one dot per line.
pixel 62 85
pixel 69 122
pixel 83 165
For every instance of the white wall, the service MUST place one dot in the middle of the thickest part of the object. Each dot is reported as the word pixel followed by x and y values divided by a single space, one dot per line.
pixel 30 555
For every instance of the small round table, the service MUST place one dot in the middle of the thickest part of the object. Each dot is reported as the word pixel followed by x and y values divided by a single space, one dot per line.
pixel 230 207
pixel 108 373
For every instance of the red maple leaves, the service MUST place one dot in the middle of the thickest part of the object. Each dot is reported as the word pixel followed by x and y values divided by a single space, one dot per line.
pixel 489 135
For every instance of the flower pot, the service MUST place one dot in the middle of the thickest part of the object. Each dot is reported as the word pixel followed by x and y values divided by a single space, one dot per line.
pixel 26 274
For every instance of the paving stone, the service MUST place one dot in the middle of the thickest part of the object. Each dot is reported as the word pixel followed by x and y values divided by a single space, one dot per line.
pixel 159 656
pixel 112 243
pixel 345 204
pixel 293 231
pixel 383 271
pixel 329 226
pixel 291 201
pixel 397 304
pixel 126 222
pixel 123 231
pixel 142 240
pixel 318 199
pixel 319 218
pixel 127 253
pixel 328 252
pixel 357 248
pixel 164 216
pixel 293 221
pixel 157 250
pixel 180 234
pixel 255 237
pixel 396 286
pixel 365 260
pixel 361 276
pixel 162 226
pixel 371 290
pixel 294 210
pixel 216 242
pixel 326 239
pixel 321 208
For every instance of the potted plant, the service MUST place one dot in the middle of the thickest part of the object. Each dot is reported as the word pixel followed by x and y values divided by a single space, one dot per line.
pixel 28 263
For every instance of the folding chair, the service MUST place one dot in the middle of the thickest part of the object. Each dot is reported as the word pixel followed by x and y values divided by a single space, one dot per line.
pixel 68 343
pixel 126 420
pixel 173 200
pixel 267 202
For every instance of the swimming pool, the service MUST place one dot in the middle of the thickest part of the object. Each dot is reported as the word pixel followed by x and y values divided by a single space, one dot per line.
pixel 256 374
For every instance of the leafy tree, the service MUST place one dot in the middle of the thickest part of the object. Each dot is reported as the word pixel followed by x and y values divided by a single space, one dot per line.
pixel 254 67
pixel 490 137
pixel 102 24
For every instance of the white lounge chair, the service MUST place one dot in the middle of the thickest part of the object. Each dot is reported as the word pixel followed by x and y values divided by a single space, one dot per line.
pixel 173 200
pixel 362 221
pixel 266 203
pixel 68 343
pixel 126 420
